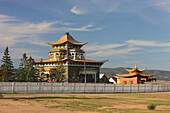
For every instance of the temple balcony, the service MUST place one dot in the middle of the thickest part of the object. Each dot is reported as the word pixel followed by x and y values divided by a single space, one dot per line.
pixel 65 64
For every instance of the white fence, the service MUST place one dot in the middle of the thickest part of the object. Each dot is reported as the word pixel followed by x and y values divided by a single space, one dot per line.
pixel 41 87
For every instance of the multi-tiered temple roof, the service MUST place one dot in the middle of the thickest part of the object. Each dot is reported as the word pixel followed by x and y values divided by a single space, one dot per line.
pixel 135 76
pixel 68 51
pixel 65 39
pixel 134 72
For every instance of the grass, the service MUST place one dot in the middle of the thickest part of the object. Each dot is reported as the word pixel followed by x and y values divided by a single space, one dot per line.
pixel 105 103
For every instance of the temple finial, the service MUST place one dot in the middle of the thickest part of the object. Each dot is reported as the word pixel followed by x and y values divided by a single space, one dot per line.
pixel 135 65
pixel 67 33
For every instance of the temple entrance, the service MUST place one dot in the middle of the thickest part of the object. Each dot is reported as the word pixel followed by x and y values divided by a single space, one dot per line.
pixel 90 78
pixel 90 75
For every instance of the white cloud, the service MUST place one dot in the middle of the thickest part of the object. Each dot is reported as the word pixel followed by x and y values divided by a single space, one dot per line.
pixel 111 52
pixel 83 28
pixel 127 48
pixel 77 11
pixel 162 4
pixel 96 47
pixel 93 6
pixel 148 43
pixel 16 53
pixel 18 31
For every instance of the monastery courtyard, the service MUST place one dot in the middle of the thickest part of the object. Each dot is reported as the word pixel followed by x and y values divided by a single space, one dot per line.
pixel 85 103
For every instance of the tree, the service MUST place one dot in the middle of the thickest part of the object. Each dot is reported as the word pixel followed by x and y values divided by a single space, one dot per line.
pixel 26 71
pixel 58 73
pixel 7 67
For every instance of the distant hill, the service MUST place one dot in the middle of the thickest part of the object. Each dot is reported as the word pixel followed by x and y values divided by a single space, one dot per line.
pixel 160 75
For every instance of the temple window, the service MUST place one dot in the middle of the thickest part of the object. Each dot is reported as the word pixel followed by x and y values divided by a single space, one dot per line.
pixel 51 55
pixel 125 82
pixel 131 82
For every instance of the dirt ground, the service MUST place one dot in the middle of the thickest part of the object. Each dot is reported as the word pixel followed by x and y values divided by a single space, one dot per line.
pixel 8 104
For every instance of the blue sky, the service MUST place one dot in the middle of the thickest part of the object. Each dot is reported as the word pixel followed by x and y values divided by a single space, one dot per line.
pixel 125 32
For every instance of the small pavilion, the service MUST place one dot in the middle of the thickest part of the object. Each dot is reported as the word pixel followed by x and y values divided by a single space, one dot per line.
pixel 135 76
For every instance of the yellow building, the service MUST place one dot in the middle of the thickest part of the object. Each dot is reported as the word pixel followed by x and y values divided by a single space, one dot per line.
pixel 67 52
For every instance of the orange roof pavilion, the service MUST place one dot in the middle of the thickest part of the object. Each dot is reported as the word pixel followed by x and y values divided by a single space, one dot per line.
pixel 135 76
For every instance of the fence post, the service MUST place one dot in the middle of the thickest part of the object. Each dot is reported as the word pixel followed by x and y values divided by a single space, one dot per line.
pixel 51 87
pixel 104 88
pixel 145 88
pixel 12 87
pixel 152 88
pixel 40 91
pixel 74 88
pixel 114 88
pixel 122 88
pixel 27 88
pixel 138 88
pixel 95 88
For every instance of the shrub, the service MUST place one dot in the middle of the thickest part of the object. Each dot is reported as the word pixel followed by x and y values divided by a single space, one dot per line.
pixel 15 99
pixel 151 106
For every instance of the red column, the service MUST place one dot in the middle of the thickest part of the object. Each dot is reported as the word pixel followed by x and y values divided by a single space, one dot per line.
pixel 78 79
pixel 72 79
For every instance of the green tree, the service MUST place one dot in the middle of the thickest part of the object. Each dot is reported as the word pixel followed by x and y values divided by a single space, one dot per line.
pixel 7 67
pixel 27 72
pixel 58 73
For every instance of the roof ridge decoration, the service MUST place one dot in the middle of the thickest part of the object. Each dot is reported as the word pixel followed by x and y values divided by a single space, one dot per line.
pixel 66 38
pixel 135 69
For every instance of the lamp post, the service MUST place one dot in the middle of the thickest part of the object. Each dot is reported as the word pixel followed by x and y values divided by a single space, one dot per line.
pixel 95 77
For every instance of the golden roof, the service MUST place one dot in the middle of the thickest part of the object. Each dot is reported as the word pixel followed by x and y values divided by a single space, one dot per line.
pixel 48 60
pixel 133 75
pixel 147 75
pixel 135 69
pixel 89 61
pixel 67 38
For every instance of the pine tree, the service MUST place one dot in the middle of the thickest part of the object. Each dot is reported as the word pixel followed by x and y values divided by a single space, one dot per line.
pixel 22 72
pixel 27 72
pixel 7 67
pixel 33 73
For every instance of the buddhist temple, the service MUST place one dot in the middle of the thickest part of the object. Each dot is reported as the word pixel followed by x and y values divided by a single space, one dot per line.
pixel 68 53
pixel 135 76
